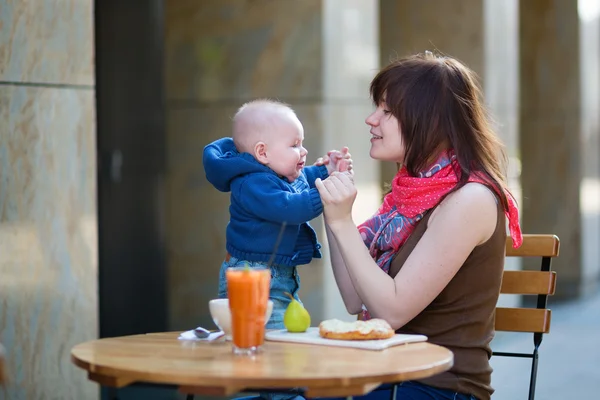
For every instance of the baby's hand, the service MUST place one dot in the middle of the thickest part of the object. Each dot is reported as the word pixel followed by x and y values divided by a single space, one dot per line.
pixel 337 160
pixel 345 164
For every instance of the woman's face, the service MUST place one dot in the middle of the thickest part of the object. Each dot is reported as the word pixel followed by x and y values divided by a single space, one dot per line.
pixel 386 140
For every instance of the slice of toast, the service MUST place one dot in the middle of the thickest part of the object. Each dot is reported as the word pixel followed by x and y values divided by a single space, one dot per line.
pixel 356 330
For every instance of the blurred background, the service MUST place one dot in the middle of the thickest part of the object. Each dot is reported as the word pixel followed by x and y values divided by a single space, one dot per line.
pixel 108 226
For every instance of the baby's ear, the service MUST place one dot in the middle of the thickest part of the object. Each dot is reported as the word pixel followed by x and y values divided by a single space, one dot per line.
pixel 260 153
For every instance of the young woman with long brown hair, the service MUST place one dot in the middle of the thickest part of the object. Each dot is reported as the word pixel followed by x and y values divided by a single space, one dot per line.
pixel 430 260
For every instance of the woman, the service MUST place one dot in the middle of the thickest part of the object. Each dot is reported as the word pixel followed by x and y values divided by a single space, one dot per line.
pixel 434 251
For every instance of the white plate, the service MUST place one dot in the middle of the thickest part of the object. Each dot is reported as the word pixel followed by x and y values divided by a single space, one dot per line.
pixel 311 336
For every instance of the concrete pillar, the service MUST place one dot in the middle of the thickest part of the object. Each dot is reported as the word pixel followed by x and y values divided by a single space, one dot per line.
pixel 48 224
pixel 550 131
pixel 350 60
pixel 501 78
pixel 451 27
pixel 501 90
pixel 589 17
pixel 222 54
pixel 481 33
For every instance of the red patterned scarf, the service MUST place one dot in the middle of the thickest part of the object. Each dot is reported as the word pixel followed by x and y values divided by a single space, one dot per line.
pixel 386 231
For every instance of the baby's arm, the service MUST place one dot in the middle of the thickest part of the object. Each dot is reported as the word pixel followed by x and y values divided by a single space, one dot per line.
pixel 313 172
pixel 263 196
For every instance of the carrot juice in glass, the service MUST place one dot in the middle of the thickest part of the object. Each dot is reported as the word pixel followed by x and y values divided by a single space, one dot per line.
pixel 248 293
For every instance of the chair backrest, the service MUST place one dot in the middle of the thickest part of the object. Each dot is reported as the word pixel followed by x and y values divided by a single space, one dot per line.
pixel 541 283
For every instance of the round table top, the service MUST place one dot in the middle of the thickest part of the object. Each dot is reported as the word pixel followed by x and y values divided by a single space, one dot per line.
pixel 211 368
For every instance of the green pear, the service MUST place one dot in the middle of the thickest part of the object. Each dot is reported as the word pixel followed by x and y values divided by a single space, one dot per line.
pixel 296 319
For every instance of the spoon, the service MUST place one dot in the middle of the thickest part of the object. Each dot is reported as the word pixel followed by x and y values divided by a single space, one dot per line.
pixel 201 333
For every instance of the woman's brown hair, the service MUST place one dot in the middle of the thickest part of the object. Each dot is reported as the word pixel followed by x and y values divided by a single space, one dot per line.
pixel 438 104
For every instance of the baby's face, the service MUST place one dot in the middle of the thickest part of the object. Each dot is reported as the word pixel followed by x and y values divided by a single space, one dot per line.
pixel 285 153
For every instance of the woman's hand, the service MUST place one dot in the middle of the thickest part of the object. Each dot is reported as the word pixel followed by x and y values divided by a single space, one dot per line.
pixel 337 194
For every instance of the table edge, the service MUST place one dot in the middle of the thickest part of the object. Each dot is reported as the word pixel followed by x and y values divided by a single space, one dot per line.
pixel 141 377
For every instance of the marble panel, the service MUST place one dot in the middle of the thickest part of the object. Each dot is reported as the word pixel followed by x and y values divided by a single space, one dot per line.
pixel 235 49
pixel 48 239
pixel 47 41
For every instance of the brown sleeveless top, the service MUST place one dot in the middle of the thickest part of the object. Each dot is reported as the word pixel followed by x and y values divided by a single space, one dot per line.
pixel 461 317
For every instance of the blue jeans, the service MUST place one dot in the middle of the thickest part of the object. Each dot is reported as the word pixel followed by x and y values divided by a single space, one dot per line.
pixel 411 390
pixel 283 279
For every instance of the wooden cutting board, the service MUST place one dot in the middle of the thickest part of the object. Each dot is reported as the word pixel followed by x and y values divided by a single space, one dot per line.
pixel 311 336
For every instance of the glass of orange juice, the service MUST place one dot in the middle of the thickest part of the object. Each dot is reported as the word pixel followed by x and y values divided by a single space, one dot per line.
pixel 248 293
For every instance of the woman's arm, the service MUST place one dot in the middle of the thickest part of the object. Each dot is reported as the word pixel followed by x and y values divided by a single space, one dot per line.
pixel 463 220
pixel 351 299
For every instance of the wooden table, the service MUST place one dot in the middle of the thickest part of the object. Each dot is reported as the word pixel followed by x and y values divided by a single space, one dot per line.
pixel 210 368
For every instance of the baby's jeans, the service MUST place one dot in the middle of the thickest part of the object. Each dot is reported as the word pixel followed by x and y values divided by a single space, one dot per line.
pixel 283 279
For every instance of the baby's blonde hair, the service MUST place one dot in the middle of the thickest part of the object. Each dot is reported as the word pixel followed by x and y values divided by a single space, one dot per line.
pixel 254 121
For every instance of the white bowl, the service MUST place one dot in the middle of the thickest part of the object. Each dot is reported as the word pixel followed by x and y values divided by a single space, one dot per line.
pixel 219 311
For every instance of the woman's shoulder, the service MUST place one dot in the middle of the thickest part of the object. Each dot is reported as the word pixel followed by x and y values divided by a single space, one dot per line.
pixel 473 207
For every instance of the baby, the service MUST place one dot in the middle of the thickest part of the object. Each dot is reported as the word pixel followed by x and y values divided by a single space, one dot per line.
pixel 264 167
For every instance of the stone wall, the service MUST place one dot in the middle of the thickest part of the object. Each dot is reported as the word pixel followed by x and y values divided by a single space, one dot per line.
pixel 48 230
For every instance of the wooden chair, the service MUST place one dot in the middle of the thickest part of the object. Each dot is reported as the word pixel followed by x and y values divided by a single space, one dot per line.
pixel 540 283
